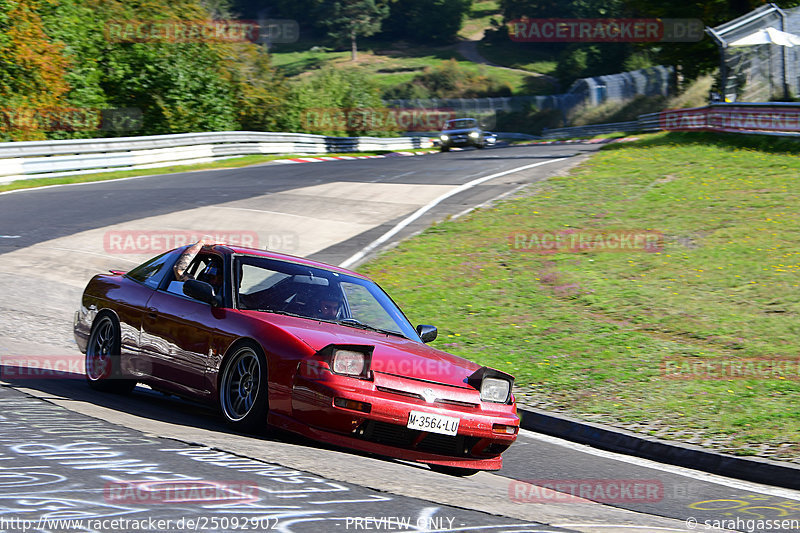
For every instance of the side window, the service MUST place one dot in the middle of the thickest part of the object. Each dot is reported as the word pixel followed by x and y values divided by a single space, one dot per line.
pixel 204 267
pixel 152 272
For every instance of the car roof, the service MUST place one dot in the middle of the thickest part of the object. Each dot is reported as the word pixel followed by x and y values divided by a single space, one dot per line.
pixel 243 250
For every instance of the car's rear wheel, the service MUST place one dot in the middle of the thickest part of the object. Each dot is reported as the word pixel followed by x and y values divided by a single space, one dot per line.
pixel 103 357
pixel 454 470
pixel 243 388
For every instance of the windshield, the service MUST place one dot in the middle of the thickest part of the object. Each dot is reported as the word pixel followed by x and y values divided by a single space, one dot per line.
pixel 275 286
pixel 461 123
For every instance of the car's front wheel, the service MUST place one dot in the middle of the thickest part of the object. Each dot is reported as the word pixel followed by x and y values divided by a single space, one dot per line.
pixel 243 388
pixel 445 149
pixel 103 357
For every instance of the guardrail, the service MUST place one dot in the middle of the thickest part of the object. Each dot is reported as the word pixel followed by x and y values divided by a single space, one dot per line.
pixel 771 118
pixel 37 159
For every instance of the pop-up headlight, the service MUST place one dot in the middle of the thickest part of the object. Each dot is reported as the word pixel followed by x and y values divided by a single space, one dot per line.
pixel 495 386
pixel 348 360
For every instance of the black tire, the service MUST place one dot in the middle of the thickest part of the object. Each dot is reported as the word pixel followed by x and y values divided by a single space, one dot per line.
pixel 480 145
pixel 445 149
pixel 103 368
pixel 454 470
pixel 243 396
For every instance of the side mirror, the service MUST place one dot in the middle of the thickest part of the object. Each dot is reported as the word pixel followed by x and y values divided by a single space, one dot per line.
pixel 427 333
pixel 200 290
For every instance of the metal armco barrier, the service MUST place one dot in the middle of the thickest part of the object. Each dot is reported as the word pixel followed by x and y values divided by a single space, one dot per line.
pixel 771 118
pixel 37 159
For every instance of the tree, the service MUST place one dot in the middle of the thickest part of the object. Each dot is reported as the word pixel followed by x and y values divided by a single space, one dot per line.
pixel 32 70
pixel 349 19
pixel 426 21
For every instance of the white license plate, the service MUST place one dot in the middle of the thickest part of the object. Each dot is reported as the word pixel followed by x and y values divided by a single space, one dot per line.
pixel 446 425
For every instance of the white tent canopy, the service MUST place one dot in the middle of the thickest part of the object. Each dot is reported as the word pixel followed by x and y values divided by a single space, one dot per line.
pixel 768 36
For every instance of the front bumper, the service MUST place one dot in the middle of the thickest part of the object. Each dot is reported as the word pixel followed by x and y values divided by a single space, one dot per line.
pixel 478 443
pixel 461 140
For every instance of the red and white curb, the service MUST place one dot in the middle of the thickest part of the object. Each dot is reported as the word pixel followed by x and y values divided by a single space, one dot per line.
pixel 345 157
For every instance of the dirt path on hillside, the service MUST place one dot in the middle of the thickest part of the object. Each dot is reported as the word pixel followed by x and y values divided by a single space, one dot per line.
pixel 468 48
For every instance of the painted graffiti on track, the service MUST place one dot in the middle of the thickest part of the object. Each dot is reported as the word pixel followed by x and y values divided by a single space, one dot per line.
pixel 63 471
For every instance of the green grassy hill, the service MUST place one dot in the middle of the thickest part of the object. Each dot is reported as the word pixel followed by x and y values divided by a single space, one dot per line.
pixel 590 333
pixel 390 65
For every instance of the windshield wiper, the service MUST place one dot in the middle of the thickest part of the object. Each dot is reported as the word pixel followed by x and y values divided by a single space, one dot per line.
pixel 275 311
pixel 355 323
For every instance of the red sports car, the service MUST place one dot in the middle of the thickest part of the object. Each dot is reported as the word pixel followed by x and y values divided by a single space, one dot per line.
pixel 308 347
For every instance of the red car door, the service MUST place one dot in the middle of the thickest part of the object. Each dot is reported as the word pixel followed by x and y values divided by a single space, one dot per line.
pixel 177 332
pixel 176 339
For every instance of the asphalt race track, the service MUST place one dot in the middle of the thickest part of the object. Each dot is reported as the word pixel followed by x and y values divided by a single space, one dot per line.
pixel 67 452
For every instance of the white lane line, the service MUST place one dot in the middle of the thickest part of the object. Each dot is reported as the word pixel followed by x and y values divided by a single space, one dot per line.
pixel 430 205
pixel 10 236
pixel 671 469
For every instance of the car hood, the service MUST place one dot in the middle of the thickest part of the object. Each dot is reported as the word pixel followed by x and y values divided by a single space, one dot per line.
pixel 391 355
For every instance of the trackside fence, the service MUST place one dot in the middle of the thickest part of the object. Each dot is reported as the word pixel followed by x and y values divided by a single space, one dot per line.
pixel 38 159
pixel 773 118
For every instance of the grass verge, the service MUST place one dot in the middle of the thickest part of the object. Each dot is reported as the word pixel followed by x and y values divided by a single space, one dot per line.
pixel 590 333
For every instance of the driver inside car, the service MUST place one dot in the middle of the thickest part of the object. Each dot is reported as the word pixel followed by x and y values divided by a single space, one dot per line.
pixel 327 305
pixel 212 274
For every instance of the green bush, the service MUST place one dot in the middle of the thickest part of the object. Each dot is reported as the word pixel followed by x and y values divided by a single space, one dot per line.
pixel 449 80
pixel 316 105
